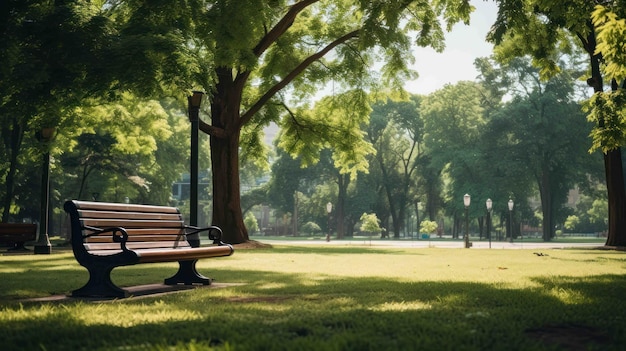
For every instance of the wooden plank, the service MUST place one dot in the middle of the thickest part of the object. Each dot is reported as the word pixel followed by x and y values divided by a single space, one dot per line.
pixel 108 206
pixel 126 223
pixel 130 215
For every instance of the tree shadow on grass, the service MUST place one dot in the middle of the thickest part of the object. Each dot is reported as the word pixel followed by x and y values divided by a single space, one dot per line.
pixel 284 311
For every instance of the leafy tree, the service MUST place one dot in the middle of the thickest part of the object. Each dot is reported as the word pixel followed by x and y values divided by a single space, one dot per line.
pixel 263 50
pixel 47 69
pixel 428 227
pixel 311 228
pixel 454 123
pixel 251 223
pixel 543 27
pixel 59 55
pixel 544 136
pixel 396 131
pixel 370 223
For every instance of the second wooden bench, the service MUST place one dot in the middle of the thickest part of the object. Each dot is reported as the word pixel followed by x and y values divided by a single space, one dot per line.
pixel 108 235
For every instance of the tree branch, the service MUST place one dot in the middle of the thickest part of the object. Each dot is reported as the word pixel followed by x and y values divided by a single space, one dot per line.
pixel 211 130
pixel 281 27
pixel 245 118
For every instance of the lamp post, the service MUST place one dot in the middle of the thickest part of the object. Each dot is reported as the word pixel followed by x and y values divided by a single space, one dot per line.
pixel 489 205
pixel 193 107
pixel 329 209
pixel 466 202
pixel 42 246
pixel 511 204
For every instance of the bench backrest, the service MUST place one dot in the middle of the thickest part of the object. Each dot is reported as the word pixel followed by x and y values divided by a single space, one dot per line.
pixel 147 226
pixel 17 232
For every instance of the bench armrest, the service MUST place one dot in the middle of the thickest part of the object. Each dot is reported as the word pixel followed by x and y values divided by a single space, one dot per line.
pixel 119 234
pixel 215 232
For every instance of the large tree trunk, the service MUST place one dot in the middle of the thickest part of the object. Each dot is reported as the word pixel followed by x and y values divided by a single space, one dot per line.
pixel 616 198
pixel 614 173
pixel 225 104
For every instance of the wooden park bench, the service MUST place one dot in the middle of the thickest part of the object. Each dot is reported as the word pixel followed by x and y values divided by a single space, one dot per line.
pixel 108 235
pixel 17 234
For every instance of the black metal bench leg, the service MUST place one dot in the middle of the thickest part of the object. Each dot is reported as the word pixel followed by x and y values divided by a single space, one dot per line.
pixel 100 284
pixel 188 275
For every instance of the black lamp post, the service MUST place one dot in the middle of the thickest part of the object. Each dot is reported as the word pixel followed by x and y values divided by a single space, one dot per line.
pixel 511 204
pixel 489 205
pixel 466 202
pixel 42 246
pixel 329 209
pixel 194 102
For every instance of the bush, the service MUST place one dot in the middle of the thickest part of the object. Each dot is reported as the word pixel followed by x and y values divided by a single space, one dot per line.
pixel 429 227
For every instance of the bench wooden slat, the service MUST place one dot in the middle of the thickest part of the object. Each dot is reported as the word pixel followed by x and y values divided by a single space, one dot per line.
pixel 155 234
pixel 135 246
pixel 130 215
pixel 135 238
pixel 146 256
pixel 108 206
pixel 129 223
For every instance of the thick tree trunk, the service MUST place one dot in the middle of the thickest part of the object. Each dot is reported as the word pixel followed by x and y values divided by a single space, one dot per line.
pixel 616 198
pixel 227 212
pixel 224 141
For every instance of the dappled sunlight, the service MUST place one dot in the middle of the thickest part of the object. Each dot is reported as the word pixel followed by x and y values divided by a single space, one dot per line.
pixel 401 306
pixel 567 296
pixel 271 285
pixel 104 314
pixel 154 313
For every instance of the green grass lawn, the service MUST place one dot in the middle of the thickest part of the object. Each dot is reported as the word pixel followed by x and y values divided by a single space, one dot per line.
pixel 331 298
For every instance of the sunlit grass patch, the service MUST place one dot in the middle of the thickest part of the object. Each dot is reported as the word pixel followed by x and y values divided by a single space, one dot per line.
pixel 305 298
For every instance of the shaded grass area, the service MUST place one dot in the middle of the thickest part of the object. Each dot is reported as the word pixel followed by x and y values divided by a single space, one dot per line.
pixel 331 298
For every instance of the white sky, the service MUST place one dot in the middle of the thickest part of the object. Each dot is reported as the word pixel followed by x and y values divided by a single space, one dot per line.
pixel 456 62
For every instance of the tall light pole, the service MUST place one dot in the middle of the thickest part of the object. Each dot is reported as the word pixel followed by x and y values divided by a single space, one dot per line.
pixel 42 246
pixel 193 107
pixel 466 202
pixel 489 205
pixel 329 209
pixel 511 205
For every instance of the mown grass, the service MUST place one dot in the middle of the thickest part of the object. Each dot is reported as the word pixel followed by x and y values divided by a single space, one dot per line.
pixel 331 298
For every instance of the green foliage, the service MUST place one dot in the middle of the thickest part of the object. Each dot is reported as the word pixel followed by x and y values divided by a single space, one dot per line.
pixel 571 222
pixel 608 111
pixel 429 227
pixel 334 122
pixel 370 223
pixel 611 42
pixel 311 228
pixel 251 223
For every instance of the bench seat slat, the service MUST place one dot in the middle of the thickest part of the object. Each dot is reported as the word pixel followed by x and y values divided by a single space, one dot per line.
pixel 135 246
pixel 169 255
